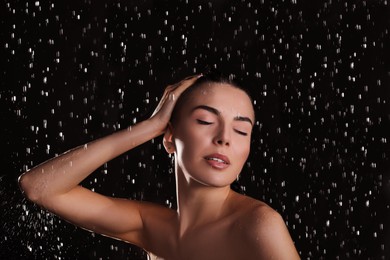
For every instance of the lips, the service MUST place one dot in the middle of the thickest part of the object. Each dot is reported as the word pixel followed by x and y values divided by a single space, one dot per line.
pixel 218 161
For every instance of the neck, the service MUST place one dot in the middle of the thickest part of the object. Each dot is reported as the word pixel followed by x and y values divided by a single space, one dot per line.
pixel 198 204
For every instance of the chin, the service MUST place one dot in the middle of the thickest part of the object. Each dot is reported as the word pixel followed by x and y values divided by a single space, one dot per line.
pixel 216 181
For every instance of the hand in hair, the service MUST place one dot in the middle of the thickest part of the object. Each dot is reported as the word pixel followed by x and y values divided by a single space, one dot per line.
pixel 163 111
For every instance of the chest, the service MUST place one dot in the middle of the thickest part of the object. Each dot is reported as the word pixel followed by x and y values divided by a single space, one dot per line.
pixel 214 241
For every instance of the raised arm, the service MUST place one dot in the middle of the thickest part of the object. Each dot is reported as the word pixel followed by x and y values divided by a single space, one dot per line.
pixel 54 184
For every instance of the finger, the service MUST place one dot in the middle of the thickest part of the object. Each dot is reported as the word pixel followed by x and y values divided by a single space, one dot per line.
pixel 193 76
pixel 188 81
pixel 185 83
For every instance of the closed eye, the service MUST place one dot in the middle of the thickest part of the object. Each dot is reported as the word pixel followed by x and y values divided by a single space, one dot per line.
pixel 241 133
pixel 202 122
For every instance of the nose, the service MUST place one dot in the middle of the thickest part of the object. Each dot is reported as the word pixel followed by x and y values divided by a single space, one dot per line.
pixel 222 136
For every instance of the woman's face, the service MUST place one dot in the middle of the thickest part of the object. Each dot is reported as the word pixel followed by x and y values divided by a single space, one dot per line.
pixel 212 135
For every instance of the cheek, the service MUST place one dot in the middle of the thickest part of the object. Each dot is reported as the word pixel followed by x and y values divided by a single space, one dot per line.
pixel 188 143
pixel 243 150
pixel 193 136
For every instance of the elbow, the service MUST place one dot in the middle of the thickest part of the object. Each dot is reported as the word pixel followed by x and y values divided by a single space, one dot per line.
pixel 27 188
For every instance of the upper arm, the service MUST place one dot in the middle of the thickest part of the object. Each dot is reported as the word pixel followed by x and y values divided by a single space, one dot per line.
pixel 119 218
pixel 268 236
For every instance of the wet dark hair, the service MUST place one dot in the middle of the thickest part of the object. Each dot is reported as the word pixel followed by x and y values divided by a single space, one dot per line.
pixel 210 76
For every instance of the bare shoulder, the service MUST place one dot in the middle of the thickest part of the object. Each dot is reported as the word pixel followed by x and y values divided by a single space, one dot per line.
pixel 252 209
pixel 264 231
pixel 158 226
pixel 259 218
pixel 262 216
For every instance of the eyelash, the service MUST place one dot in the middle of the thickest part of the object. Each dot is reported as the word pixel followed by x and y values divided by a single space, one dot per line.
pixel 241 133
pixel 202 122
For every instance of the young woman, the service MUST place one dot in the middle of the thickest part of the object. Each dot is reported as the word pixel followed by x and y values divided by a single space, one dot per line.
pixel 206 123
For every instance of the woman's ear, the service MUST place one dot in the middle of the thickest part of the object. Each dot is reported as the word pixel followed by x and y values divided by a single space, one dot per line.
pixel 168 143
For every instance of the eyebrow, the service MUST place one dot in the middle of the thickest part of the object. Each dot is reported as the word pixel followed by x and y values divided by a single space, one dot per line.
pixel 218 113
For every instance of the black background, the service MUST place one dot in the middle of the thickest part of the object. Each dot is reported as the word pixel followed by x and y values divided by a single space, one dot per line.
pixel 318 71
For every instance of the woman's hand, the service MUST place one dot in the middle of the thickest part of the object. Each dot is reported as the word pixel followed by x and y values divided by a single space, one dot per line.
pixel 163 111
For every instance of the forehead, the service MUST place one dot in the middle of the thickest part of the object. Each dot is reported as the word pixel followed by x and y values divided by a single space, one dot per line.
pixel 222 96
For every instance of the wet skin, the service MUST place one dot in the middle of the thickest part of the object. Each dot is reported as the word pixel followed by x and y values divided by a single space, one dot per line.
pixel 210 142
